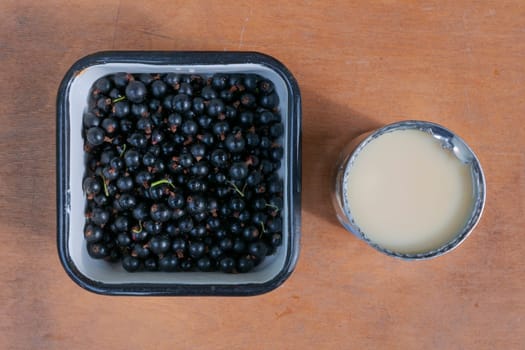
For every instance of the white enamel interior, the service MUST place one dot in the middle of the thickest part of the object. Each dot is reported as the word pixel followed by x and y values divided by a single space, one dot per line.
pixel 105 272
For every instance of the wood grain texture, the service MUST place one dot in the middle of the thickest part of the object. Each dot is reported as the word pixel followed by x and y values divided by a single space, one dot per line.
pixel 359 64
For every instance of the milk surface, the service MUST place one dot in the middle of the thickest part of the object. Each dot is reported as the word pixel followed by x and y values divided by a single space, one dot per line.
pixel 408 194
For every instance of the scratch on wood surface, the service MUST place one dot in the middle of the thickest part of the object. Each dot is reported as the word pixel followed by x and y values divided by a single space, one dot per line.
pixel 464 21
pixel 468 48
pixel 286 311
pixel 467 102
pixel 163 36
pixel 34 202
pixel 427 8
pixel 243 29
pixel 115 25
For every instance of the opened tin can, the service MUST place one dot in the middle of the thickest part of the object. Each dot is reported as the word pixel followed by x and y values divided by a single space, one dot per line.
pixel 413 189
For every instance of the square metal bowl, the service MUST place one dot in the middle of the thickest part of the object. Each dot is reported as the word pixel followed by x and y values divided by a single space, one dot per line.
pixel 105 278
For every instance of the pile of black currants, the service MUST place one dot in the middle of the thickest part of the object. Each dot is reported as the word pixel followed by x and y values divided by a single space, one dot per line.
pixel 183 171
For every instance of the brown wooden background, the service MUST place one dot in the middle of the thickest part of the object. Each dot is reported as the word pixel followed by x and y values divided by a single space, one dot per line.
pixel 360 64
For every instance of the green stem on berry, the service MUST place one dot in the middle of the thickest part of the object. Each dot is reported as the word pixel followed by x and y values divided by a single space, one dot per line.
pixel 272 206
pixel 241 193
pixel 262 227
pixel 118 99
pixel 163 181
pixel 123 150
pixel 106 192
pixel 139 230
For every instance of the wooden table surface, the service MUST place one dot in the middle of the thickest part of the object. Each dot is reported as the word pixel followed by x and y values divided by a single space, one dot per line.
pixel 359 65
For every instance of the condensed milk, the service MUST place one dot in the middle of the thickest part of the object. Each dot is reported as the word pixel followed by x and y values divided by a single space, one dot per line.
pixel 412 189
